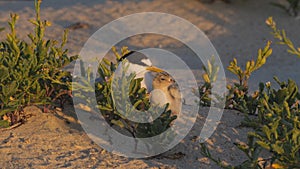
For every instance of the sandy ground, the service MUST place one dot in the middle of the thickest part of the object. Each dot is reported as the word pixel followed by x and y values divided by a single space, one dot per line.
pixel 56 140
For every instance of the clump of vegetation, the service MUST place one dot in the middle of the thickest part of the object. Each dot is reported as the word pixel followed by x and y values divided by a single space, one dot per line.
pixel 283 39
pixel 277 126
pixel 238 97
pixel 210 76
pixel 120 96
pixel 276 130
pixel 139 101
pixel 31 72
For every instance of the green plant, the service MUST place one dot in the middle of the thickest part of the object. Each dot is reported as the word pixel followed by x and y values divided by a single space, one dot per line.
pixel 238 96
pixel 119 95
pixel 277 126
pixel 277 130
pixel 291 9
pixel 251 150
pixel 209 77
pixel 281 36
pixel 124 83
pixel 31 72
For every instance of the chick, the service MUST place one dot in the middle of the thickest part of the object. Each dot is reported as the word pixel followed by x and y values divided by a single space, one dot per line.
pixel 166 90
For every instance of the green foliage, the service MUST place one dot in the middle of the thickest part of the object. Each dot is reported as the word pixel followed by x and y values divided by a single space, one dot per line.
pixel 209 77
pixel 31 72
pixel 138 100
pixel 281 36
pixel 291 9
pixel 251 66
pixel 119 95
pixel 277 126
pixel 205 152
pixel 277 129
pixel 251 151
pixel 4 123
pixel 238 96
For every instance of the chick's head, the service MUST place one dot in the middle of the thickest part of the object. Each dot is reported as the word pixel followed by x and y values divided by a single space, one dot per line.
pixel 162 81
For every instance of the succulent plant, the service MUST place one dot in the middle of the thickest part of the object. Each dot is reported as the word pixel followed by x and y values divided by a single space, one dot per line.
pixel 210 76
pixel 276 130
pixel 277 126
pixel 119 96
pixel 282 37
pixel 31 72
pixel 238 96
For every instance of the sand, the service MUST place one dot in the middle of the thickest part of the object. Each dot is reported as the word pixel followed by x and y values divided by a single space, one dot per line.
pixel 56 139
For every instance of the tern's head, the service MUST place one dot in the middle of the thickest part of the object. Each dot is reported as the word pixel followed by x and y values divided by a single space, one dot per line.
pixel 137 58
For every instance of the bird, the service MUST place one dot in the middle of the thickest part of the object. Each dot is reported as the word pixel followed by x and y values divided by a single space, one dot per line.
pixel 161 86
pixel 142 67
pixel 166 90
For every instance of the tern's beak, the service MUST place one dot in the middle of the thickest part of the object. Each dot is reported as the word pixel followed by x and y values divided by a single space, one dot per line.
pixel 154 69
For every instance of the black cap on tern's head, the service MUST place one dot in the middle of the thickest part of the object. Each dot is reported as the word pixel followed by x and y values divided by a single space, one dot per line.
pixel 138 58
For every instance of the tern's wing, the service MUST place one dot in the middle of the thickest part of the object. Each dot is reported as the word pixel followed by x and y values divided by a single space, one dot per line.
pixel 148 80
